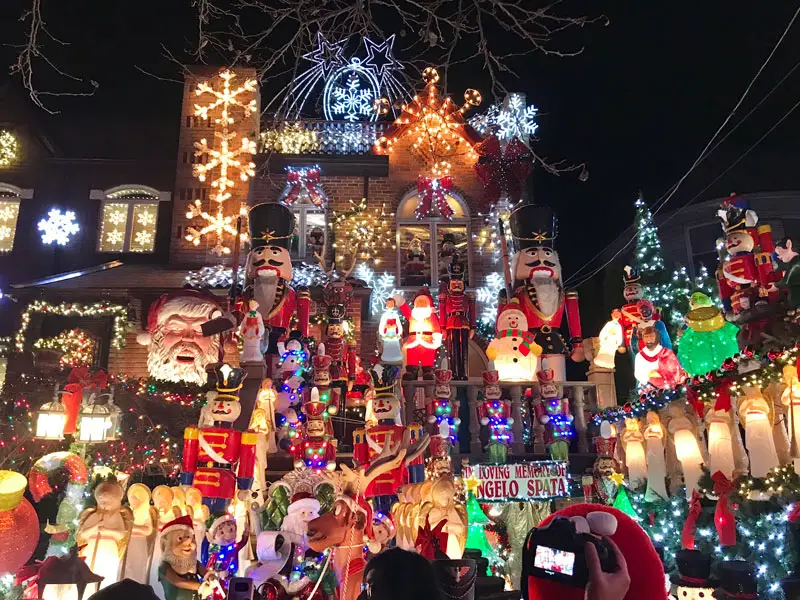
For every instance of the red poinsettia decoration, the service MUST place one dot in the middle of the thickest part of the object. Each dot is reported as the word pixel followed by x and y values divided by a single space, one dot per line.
pixel 80 379
pixel 431 543
pixel 502 170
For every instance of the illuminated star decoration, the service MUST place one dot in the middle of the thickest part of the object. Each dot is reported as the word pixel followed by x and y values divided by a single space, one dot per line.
pixel 509 120
pixel 58 227
pixel 381 61
pixel 617 478
pixel 325 58
pixel 472 483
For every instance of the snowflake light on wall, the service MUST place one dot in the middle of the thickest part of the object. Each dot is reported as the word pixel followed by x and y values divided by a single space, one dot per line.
pixel 218 224
pixel 58 227
pixel 9 148
pixel 511 119
pixel 383 286
pixel 349 93
pixel 487 296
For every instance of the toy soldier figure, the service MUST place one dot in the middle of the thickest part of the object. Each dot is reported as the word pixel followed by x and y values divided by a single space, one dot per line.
pixel 457 314
pixel 210 454
pixel 268 272
pixel 540 289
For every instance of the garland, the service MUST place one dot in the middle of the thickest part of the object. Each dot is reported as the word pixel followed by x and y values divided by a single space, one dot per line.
pixel 76 309
pixel 704 388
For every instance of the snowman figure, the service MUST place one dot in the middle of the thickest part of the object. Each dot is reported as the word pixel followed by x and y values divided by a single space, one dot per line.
pixel 514 350
pixel 692 580
pixel 293 362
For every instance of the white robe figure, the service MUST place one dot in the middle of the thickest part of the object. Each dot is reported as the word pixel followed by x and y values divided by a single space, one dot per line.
pixel 140 546
pixel 654 435
pixel 611 338
pixel 633 443
pixel 790 398
pixel 390 334
pixel 754 412
pixel 252 331
pixel 720 442
pixel 687 448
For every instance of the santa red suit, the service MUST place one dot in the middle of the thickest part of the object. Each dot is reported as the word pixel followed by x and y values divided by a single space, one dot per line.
pixel 424 332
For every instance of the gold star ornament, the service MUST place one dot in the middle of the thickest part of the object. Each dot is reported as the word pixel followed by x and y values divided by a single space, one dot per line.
pixel 472 483
pixel 617 478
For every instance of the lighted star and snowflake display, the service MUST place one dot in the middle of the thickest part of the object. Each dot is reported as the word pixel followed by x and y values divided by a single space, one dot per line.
pixel 350 93
pixel 219 224
pixel 58 227
pixel 508 120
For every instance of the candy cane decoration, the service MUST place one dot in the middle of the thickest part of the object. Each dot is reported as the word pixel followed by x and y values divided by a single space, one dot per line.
pixel 70 507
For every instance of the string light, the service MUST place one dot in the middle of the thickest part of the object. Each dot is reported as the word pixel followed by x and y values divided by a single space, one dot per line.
pixel 487 295
pixel 77 347
pixel 75 309
pixel 487 240
pixel 435 125
pixel 509 120
pixel 362 232
pixel 9 148
pixel 219 224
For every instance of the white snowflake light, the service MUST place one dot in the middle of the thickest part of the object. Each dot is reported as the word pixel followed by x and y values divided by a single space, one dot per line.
pixel 349 93
pixel 117 217
pixel 513 119
pixel 352 102
pixel 382 287
pixel 143 238
pixel 487 296
pixel 58 227
pixel 146 218
pixel 115 237
pixel 219 224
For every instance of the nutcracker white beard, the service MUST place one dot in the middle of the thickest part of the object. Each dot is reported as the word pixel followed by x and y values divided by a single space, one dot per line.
pixel 162 361
pixel 548 293
pixel 265 288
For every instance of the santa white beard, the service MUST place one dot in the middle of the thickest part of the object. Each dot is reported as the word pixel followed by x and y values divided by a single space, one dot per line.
pixel 548 294
pixel 265 288
pixel 421 313
pixel 180 564
pixel 162 363
pixel 294 524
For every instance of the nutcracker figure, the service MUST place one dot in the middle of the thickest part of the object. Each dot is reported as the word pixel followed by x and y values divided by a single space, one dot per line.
pixel 442 414
pixel 268 272
pixel 553 413
pixel 369 442
pixel 210 454
pixel 316 450
pixel 747 277
pixel 424 335
pixel 337 295
pixel 494 413
pixel 457 313
pixel 539 287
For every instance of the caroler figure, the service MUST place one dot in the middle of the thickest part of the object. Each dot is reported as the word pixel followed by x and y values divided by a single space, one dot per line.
pixel 424 335
pixel 553 412
pixel 390 335
pixel 268 271
pixel 457 312
pixel 211 454
pixel 539 288
pixel 316 450
pixel 494 413
pixel 252 332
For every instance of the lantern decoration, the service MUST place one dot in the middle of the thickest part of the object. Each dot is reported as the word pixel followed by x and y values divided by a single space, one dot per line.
pixel 51 419
pixel 436 125
pixel 502 171
pixel 19 524
pixel 303 184
pixel 708 340
pixel 99 422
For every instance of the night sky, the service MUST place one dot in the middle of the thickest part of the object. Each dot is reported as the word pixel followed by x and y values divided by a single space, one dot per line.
pixel 636 106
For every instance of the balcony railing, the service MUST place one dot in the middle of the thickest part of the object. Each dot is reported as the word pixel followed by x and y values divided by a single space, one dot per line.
pixel 583 399
pixel 319 137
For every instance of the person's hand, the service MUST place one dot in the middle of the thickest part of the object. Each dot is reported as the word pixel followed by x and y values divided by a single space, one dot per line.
pixel 602 585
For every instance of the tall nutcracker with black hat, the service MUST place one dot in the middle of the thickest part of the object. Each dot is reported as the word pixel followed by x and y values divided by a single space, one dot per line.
pixel 693 578
pixel 337 295
pixel 457 316
pixel 268 272
pixel 539 287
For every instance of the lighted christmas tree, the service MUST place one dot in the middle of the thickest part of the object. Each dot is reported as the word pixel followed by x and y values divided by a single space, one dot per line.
pixel 623 502
pixel 476 531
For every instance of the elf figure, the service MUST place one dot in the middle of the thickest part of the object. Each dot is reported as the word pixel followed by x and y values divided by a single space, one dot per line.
pixel 441 411
pixel 424 335
pixel 210 454
pixel 223 549
pixel 316 450
pixel 494 413
pixel 252 332
pixel 553 412
pixel 457 312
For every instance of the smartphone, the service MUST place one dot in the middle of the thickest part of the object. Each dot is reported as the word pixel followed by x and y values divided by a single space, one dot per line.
pixel 554 560
pixel 240 588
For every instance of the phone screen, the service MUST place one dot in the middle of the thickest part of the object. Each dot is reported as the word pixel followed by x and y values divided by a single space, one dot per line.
pixel 554 560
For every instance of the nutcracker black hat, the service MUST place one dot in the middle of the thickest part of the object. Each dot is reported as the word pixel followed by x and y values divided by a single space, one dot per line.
pixel 229 380
pixel 533 225
pixel 630 275
pixel 736 215
pixel 694 570
pixel 737 579
pixel 336 312
pixel 271 224
pixel 456 269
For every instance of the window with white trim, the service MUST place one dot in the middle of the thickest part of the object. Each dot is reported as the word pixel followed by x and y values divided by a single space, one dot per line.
pixel 128 218
pixel 310 231
pixel 426 246
pixel 10 198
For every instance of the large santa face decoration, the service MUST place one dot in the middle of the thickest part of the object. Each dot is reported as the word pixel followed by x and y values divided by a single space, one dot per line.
pixel 177 349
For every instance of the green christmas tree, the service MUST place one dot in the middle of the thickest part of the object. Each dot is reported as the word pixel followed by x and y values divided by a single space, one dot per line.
pixel 623 502
pixel 476 531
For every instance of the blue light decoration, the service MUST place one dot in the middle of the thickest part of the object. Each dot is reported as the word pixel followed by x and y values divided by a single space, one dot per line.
pixel 58 227
pixel 350 92
pixel 508 120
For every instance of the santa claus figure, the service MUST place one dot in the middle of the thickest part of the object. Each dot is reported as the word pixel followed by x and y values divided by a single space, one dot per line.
pixel 494 412
pixel 316 450
pixel 268 272
pixel 553 412
pixel 746 278
pixel 303 508
pixel 424 335
pixel 654 364
pixel 211 454
pixel 539 287
pixel 457 312
pixel 177 351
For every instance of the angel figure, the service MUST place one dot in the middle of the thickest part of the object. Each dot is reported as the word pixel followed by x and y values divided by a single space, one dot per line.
pixel 442 506
pixel 143 534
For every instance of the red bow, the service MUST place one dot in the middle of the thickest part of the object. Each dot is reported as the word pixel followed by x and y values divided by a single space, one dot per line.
pixel 723 401
pixel 430 190
pixel 79 379
pixel 694 402
pixel 724 520
pixel 687 533
pixel 299 179
pixel 500 171
pixel 430 540
pixel 87 380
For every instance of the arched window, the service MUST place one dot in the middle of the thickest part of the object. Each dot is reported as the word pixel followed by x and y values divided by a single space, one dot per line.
pixel 426 246
pixel 128 218
pixel 10 197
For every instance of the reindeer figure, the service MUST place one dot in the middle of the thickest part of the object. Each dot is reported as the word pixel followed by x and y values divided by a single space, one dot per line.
pixel 347 526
